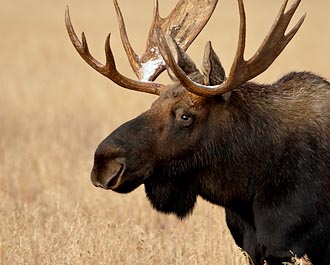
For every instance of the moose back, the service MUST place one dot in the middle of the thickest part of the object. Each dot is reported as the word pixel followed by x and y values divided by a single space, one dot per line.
pixel 260 151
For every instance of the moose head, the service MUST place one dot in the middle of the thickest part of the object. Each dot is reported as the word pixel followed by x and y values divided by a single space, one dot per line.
pixel 170 147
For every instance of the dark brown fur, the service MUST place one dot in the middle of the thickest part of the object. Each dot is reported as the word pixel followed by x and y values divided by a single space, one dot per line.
pixel 261 151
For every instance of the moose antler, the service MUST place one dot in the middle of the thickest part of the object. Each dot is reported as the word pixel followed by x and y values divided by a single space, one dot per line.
pixel 109 69
pixel 184 24
pixel 241 70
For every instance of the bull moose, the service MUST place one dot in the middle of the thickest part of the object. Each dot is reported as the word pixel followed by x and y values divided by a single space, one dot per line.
pixel 259 150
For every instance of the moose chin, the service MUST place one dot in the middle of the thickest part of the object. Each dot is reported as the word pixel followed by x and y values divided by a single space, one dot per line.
pixel 261 151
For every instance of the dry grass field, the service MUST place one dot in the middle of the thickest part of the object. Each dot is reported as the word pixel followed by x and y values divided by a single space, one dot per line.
pixel 54 110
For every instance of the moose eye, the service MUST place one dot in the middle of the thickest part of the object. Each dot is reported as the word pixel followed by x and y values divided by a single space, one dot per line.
pixel 185 120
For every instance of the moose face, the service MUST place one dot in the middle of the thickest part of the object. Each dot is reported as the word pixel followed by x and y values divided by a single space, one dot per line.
pixel 164 140
pixel 166 147
pixel 170 130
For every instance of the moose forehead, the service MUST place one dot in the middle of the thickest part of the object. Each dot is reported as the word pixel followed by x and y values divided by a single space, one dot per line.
pixel 176 94
pixel 174 91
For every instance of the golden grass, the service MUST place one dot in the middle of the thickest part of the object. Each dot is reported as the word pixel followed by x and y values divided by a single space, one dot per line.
pixel 54 110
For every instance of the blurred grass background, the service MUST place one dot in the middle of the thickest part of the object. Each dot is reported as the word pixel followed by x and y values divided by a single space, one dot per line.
pixel 54 110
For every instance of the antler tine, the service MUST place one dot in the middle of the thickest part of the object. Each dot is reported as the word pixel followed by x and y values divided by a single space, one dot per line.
pixel 276 40
pixel 133 58
pixel 149 65
pixel 109 69
pixel 239 57
pixel 241 70
pixel 81 47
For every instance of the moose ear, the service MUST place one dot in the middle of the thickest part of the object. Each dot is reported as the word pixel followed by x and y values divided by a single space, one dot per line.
pixel 212 67
pixel 182 58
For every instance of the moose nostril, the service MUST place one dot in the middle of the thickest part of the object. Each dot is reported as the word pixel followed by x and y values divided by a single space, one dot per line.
pixel 115 178
pixel 108 175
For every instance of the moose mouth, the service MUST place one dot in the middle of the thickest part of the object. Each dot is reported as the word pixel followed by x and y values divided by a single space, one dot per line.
pixel 125 181
pixel 128 185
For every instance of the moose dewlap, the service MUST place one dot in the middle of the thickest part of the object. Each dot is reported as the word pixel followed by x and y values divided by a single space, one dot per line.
pixel 260 151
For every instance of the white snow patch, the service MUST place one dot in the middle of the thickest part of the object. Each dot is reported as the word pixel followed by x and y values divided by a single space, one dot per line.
pixel 149 67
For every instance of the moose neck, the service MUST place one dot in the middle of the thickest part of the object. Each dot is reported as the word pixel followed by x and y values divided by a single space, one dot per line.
pixel 239 149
